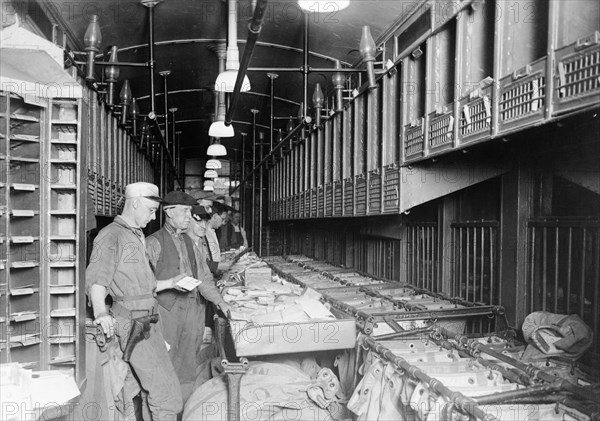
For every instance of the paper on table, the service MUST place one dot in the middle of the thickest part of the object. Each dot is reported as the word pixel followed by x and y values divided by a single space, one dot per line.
pixel 188 283
pixel 52 387
pixel 315 309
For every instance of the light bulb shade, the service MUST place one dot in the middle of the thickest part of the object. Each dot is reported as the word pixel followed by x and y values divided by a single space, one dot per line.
pixel 318 98
pixel 367 45
pixel 226 81
pixel 323 6
pixel 210 174
pixel 216 149
pixel 112 72
pixel 220 129
pixel 209 188
pixel 125 94
pixel 209 183
pixel 135 109
pixel 338 79
pixel 290 125
pixel 213 164
pixel 93 37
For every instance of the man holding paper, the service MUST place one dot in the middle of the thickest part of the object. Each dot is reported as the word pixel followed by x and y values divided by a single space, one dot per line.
pixel 119 268
pixel 174 258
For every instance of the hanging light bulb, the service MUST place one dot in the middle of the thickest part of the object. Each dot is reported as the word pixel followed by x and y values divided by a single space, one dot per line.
pixel 226 80
pixel 111 73
pixel 210 174
pixel 213 164
pixel 125 97
pixel 92 40
pixel 218 128
pixel 290 125
pixel 318 98
pixel 135 112
pixel 209 188
pixel 325 6
pixel 209 183
pixel 318 101
pixel 368 50
pixel 216 149
pixel 338 79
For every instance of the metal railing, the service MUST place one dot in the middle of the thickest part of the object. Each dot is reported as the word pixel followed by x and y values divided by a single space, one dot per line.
pixel 564 268
pixel 422 256
pixel 475 261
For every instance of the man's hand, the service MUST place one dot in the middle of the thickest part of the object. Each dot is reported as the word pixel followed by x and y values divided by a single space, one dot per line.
pixel 174 283
pixel 225 308
pixel 107 323
pixel 224 266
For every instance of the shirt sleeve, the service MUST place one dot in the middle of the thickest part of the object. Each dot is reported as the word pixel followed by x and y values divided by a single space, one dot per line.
pixel 103 261
pixel 204 273
pixel 209 290
pixel 153 250
pixel 243 232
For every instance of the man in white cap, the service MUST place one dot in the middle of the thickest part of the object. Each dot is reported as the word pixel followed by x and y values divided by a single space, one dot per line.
pixel 120 268
pixel 173 256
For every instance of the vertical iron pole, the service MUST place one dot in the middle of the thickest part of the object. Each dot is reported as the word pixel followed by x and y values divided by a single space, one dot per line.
pixel 254 112
pixel 243 177
pixel 165 183
pixel 272 77
pixel 261 173
pixel 305 68
pixel 151 64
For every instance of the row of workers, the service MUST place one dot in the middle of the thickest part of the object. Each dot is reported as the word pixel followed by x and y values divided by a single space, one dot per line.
pixel 143 277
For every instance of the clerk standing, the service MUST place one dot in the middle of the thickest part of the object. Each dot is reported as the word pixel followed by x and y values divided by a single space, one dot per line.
pixel 119 268
pixel 182 313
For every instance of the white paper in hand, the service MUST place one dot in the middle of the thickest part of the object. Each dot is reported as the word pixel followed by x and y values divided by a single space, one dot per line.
pixel 188 283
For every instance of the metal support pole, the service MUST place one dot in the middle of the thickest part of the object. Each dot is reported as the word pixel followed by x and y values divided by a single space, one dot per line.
pixel 180 175
pixel 254 112
pixel 305 69
pixel 261 138
pixel 172 137
pixel 254 28
pixel 164 182
pixel 150 5
pixel 272 77
pixel 243 176
pixel 165 74
pixel 234 372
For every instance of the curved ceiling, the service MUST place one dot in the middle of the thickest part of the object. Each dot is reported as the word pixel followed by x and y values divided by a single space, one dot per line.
pixel 186 32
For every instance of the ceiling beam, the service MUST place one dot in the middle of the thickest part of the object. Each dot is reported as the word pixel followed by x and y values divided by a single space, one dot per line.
pixel 185 91
pixel 197 120
pixel 210 40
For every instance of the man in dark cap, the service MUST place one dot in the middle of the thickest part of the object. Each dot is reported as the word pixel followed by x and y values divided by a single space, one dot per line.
pixel 173 257
pixel 119 267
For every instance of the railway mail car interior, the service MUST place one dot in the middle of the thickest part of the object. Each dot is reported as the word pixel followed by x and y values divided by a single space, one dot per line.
pixel 416 184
